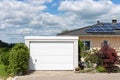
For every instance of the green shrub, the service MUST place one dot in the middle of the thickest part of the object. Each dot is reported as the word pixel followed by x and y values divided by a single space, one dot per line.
pixel 101 69
pixel 90 57
pixel 19 59
pixel 4 50
pixel 5 58
pixel 3 73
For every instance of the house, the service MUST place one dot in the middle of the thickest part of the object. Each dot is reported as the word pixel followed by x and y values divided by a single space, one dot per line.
pixel 94 35
pixel 52 52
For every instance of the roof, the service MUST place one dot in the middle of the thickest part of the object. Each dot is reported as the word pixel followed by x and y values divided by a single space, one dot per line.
pixel 96 29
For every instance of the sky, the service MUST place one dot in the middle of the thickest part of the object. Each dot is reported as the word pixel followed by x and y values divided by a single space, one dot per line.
pixel 20 18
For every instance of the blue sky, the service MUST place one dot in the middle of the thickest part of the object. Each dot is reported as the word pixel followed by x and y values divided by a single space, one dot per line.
pixel 19 18
pixel 116 1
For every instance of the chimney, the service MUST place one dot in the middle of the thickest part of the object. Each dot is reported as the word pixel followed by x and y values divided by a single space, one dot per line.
pixel 114 20
pixel 98 22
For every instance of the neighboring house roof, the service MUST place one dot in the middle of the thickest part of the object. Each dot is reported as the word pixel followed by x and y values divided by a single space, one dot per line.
pixel 96 29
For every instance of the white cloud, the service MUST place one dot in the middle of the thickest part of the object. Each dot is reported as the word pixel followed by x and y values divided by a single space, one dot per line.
pixel 22 31
pixel 2 26
pixel 88 9
pixel 16 16
pixel 28 17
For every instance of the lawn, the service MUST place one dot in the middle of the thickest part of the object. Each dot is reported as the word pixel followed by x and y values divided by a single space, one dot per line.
pixel 2 71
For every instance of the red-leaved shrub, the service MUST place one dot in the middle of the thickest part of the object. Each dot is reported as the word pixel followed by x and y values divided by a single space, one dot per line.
pixel 107 58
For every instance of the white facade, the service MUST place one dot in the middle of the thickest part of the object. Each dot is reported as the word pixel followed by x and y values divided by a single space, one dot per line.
pixel 52 53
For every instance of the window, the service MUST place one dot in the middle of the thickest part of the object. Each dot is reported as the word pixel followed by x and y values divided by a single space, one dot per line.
pixel 86 45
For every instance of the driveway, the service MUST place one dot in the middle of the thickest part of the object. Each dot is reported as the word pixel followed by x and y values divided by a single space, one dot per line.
pixel 68 75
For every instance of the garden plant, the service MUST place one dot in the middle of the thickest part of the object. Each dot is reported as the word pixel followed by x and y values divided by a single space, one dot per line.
pixel 103 60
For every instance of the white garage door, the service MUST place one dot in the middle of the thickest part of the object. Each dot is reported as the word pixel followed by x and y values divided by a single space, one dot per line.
pixel 51 56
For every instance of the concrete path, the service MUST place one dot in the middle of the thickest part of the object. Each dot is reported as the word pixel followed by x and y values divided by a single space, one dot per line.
pixel 68 75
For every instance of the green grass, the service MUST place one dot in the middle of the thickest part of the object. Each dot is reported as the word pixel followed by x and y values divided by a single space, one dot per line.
pixel 2 71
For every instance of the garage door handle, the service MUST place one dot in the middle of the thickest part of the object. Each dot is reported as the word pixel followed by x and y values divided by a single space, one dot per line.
pixel 35 60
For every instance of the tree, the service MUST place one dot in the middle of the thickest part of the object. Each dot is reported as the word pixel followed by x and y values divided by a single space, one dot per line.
pixel 6 45
pixel 64 31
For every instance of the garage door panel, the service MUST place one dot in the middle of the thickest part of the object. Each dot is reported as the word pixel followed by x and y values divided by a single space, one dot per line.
pixel 53 67
pixel 54 59
pixel 52 54
pixel 51 49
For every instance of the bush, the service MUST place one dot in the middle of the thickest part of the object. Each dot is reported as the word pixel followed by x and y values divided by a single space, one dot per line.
pixel 3 50
pixel 5 58
pixel 101 69
pixel 19 59
pixel 107 58
pixel 90 58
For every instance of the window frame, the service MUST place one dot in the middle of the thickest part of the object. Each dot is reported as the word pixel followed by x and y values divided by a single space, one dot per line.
pixel 84 41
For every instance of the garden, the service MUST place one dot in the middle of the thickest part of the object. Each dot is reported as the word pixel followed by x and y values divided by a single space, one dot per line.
pixel 103 60
pixel 13 59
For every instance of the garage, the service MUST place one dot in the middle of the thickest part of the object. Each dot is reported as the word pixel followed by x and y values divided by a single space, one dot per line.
pixel 52 53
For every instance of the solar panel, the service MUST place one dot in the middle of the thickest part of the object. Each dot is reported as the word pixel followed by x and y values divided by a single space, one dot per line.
pixel 116 27
pixel 118 24
pixel 99 30
pixel 90 30
pixel 106 24
pixel 108 30
pixel 104 27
